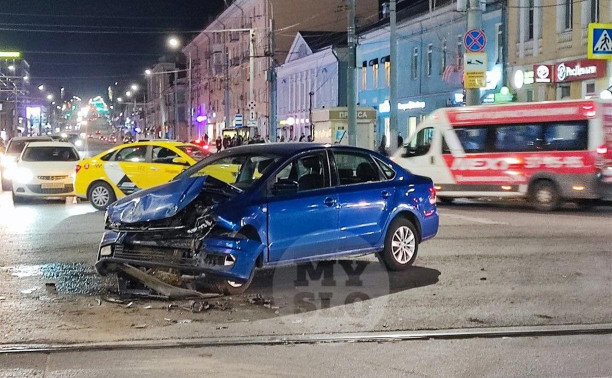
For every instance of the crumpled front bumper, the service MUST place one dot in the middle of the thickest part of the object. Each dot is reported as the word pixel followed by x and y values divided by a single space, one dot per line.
pixel 209 259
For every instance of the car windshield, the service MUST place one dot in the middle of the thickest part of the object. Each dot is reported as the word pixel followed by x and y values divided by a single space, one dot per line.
pixel 50 154
pixel 194 152
pixel 241 171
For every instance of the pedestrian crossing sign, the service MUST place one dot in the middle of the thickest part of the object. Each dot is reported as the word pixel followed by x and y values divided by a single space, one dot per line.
pixel 600 41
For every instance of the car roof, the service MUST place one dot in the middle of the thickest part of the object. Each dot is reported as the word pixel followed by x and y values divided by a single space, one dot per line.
pixel 290 148
pixel 50 144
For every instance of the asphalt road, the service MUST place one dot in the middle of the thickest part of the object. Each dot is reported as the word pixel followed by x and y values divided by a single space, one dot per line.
pixel 568 356
pixel 491 265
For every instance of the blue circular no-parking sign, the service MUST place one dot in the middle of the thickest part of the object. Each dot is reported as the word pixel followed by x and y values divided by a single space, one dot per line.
pixel 475 40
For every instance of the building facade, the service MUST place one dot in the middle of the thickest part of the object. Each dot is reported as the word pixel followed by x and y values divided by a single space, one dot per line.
pixel 547 49
pixel 430 67
pixel 312 77
pixel 166 106
pixel 221 57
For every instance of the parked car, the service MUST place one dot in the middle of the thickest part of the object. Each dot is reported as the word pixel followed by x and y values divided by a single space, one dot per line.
pixel 265 205
pixel 127 168
pixel 44 169
pixel 13 150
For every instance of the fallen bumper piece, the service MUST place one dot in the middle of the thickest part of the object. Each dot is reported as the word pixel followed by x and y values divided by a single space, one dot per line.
pixel 163 288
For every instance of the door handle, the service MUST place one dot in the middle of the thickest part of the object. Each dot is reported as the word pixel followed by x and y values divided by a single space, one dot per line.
pixel 432 160
pixel 154 168
pixel 329 201
pixel 385 194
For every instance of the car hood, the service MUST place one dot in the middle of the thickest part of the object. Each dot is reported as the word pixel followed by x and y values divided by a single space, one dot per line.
pixel 166 200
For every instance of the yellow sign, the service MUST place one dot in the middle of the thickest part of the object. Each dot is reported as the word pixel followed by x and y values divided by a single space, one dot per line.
pixel 10 54
pixel 474 80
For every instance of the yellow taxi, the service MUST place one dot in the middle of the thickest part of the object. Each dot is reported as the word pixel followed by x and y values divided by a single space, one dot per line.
pixel 127 168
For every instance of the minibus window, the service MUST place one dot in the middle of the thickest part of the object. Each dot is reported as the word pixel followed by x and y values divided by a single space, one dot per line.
pixel 517 138
pixel 566 136
pixel 473 139
pixel 419 144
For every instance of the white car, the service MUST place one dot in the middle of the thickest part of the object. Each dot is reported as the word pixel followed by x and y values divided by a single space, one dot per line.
pixel 44 169
pixel 13 150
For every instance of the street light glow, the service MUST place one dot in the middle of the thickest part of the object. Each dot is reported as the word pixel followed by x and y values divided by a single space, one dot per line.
pixel 148 72
pixel 174 42
pixel 119 99
pixel 11 68
pixel 134 87
pixel 26 78
pixel 128 93
pixel 41 87
pixel 49 97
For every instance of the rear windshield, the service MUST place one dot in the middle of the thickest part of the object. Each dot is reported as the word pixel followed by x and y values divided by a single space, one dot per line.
pixel 195 152
pixel 50 154
pixel 16 146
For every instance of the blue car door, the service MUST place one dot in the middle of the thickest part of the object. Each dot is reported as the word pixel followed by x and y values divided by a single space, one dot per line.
pixel 365 198
pixel 302 210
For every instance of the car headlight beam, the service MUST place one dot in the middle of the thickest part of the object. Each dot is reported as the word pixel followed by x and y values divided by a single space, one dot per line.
pixel 20 175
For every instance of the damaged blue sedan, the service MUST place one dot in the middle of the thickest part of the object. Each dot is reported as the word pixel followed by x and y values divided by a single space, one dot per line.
pixel 270 204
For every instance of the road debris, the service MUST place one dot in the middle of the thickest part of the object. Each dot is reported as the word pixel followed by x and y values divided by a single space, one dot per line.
pixel 139 326
pixel 2 298
pixel 50 288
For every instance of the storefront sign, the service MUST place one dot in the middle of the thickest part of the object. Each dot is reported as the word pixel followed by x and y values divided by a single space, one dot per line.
pixel 579 70
pixel 361 114
pixel 543 73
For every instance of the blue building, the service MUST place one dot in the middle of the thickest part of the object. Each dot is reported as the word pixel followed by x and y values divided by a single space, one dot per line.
pixel 430 54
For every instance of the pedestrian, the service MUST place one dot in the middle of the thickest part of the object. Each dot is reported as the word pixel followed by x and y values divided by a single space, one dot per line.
pixel 206 138
pixel 219 143
pixel 382 149
pixel 282 139
pixel 302 138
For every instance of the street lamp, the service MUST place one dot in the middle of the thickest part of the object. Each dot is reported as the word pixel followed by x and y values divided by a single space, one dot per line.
pixel 50 97
pixel 119 99
pixel 41 87
pixel 128 94
pixel 134 87
pixel 11 68
pixel 174 42
pixel 148 72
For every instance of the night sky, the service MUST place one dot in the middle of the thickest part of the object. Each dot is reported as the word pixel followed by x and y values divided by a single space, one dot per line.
pixel 59 58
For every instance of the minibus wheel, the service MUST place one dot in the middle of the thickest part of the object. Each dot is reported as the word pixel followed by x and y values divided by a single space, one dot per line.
pixel 545 195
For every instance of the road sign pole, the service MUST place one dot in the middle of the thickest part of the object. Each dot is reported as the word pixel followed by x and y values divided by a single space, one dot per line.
pixel 474 21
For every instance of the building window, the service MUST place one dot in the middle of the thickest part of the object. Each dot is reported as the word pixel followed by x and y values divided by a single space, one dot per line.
pixel 364 75
pixel 499 43
pixel 429 57
pixel 568 8
pixel 443 58
pixel 387 72
pixel 563 91
pixel 415 62
pixel 594 11
pixel 375 75
pixel 460 50
pixel 530 21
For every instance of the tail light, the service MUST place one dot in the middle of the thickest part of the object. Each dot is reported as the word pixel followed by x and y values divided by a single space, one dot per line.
pixel 602 150
pixel 432 195
pixel 77 168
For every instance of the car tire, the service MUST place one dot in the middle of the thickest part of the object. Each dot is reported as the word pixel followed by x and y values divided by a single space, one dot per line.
pixel 401 245
pixel 230 287
pixel 6 185
pixel 545 196
pixel 101 195
pixel 18 200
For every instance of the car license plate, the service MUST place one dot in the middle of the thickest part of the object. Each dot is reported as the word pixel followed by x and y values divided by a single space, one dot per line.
pixel 52 185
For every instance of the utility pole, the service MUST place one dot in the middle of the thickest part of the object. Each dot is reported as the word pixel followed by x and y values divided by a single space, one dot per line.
pixel 251 75
pixel 351 100
pixel 474 21
pixel 175 123
pixel 393 129
pixel 272 78
pixel 227 86
pixel 312 135
pixel 189 108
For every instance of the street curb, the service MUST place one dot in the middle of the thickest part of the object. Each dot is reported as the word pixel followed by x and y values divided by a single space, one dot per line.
pixel 382 336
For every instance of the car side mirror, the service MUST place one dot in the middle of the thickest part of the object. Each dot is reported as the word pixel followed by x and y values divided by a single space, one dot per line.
pixel 284 187
pixel 180 160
